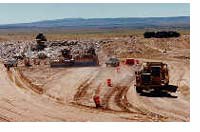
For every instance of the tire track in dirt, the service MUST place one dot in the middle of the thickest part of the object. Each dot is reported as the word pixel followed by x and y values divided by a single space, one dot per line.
pixel 118 95
pixel 20 80
pixel 35 104
pixel 89 87
pixel 4 119
pixel 23 83
pixel 177 113
pixel 122 101
pixel 82 89
pixel 17 77
pixel 169 108
pixel 107 97
pixel 113 93
pixel 112 99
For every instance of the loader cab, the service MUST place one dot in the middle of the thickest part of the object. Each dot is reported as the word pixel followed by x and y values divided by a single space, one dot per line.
pixel 146 78
pixel 155 71
pixel 156 75
pixel 152 74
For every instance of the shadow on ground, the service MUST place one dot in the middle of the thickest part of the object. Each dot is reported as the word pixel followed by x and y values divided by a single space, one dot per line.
pixel 165 93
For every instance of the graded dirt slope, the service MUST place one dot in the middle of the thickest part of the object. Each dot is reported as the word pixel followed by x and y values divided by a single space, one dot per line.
pixel 41 93
pixel 20 103
pixel 69 97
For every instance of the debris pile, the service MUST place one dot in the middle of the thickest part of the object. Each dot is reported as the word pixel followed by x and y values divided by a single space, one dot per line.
pixel 52 49
pixel 14 49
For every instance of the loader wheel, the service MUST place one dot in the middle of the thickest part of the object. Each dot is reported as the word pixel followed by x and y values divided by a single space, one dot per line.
pixel 157 91
pixel 138 90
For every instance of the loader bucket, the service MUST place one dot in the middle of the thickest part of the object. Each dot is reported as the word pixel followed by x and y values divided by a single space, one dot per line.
pixel 171 88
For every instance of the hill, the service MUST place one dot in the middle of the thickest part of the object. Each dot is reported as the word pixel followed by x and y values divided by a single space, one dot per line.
pixel 182 22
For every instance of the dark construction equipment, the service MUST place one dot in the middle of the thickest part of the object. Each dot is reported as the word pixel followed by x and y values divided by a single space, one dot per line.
pixel 162 34
pixel 113 62
pixel 87 59
pixel 42 56
pixel 66 53
pixel 153 77
pixel 27 62
pixel 40 39
pixel 65 60
pixel 10 63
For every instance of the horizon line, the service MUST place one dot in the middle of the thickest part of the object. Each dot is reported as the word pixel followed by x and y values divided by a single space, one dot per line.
pixel 91 18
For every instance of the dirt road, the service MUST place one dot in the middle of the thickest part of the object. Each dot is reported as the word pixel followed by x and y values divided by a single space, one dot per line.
pixel 68 96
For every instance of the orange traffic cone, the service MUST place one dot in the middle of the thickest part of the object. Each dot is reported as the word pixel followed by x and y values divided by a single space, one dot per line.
pixel 96 99
pixel 109 82
pixel 118 69
pixel 137 61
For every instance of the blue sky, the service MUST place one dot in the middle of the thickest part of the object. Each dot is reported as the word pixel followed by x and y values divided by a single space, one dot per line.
pixel 22 13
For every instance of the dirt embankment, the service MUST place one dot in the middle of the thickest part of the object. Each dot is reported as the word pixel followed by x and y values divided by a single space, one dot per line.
pixel 41 93
pixel 77 86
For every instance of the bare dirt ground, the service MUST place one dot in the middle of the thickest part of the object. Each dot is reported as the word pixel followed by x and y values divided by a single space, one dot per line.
pixel 41 93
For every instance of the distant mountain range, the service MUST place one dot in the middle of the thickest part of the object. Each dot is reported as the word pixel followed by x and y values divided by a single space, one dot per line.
pixel 181 22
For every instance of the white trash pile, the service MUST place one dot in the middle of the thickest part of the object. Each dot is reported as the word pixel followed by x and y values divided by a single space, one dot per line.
pixel 16 49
